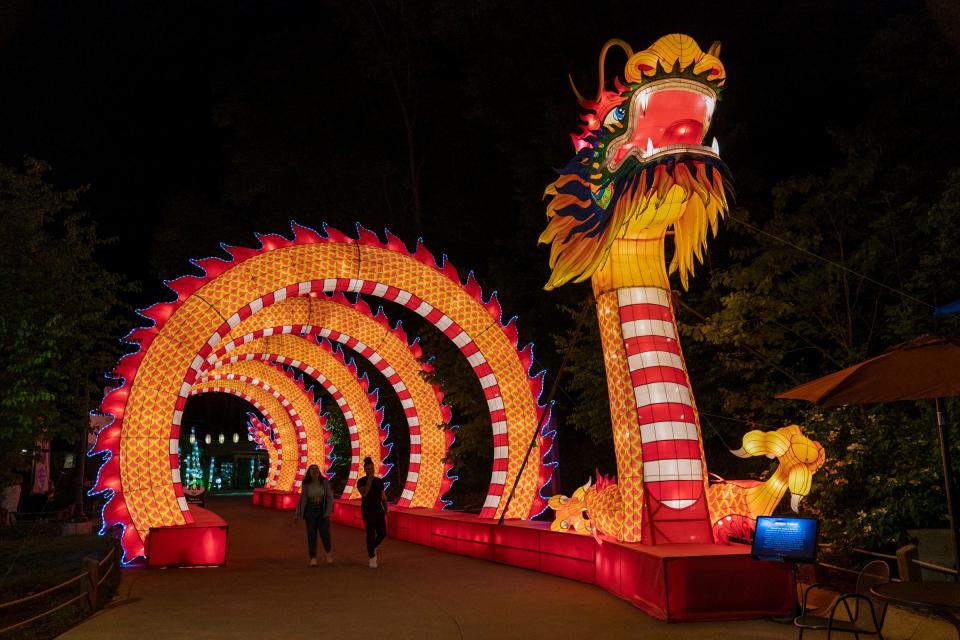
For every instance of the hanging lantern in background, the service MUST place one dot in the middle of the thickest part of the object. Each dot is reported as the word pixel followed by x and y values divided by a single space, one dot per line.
pixel 250 437
pixel 220 438
pixel 193 438
pixel 206 438
pixel 236 438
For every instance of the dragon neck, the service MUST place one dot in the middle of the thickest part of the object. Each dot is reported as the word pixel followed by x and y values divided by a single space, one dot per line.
pixel 656 430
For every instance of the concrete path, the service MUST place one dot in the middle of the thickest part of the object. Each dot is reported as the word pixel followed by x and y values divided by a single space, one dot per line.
pixel 268 591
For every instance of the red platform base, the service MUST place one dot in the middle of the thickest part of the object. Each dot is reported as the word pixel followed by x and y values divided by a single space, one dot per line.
pixel 203 543
pixel 670 582
pixel 271 499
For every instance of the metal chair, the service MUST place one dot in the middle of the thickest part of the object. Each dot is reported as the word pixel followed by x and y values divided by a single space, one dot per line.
pixel 855 612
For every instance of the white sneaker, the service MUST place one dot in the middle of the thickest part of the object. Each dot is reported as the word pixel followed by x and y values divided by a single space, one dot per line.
pixel 373 562
pixel 313 562
pixel 329 558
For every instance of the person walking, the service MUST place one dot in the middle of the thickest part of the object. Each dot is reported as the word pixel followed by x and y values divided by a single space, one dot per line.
pixel 373 508
pixel 315 507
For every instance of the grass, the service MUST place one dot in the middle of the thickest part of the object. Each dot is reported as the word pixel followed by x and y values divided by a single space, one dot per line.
pixel 32 560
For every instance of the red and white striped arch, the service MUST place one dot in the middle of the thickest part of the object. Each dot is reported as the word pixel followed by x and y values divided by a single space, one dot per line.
pixel 408 360
pixel 353 428
pixel 277 442
pixel 264 382
pixel 475 357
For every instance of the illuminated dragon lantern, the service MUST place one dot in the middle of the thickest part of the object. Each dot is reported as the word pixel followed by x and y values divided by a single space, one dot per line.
pixel 735 504
pixel 597 508
pixel 642 176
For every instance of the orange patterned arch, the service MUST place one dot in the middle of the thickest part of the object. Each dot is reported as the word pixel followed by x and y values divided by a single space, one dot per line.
pixel 141 442
pixel 309 425
pixel 276 414
pixel 338 377
pixel 387 348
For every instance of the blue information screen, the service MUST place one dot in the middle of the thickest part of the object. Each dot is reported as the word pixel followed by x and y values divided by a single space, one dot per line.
pixel 785 539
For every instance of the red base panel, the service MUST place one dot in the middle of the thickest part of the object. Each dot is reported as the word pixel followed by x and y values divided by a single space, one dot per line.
pixel 202 543
pixel 286 500
pixel 271 499
pixel 674 582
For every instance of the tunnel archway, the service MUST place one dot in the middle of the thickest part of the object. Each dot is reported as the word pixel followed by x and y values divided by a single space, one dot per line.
pixel 277 417
pixel 386 346
pixel 299 404
pixel 148 405
pixel 427 480
pixel 339 377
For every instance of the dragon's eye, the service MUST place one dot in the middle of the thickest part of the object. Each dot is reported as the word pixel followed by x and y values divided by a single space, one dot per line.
pixel 617 114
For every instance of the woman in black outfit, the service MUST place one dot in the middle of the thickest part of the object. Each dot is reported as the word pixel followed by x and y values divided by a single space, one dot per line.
pixel 373 508
pixel 315 507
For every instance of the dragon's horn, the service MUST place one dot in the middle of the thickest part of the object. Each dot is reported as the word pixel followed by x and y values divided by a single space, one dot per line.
pixel 583 102
pixel 714 49
pixel 616 42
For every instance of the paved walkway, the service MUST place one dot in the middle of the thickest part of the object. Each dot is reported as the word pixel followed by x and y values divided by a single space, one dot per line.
pixel 268 591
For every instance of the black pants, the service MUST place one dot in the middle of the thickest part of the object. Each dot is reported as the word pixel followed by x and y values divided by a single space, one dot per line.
pixel 376 526
pixel 315 520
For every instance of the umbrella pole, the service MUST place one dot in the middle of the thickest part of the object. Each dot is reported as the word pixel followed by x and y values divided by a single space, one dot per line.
pixel 948 481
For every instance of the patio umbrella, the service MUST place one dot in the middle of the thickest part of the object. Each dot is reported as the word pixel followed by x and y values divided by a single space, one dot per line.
pixel 926 368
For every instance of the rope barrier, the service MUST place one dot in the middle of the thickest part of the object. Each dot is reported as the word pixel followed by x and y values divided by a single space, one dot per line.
pixel 44 614
pixel 85 595
pixel 43 593
pixel 61 585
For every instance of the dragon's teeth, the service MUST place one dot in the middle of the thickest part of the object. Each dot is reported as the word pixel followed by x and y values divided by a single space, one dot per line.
pixel 649 147
pixel 715 146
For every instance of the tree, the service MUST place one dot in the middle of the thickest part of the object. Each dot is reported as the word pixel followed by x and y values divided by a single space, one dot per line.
pixel 193 468
pixel 59 324
pixel 845 265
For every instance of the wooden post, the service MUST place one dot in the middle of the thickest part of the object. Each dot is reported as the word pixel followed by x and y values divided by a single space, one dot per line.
pixel 907 570
pixel 91 584
pixel 948 484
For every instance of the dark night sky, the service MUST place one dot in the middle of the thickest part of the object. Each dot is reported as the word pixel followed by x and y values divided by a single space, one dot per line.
pixel 186 116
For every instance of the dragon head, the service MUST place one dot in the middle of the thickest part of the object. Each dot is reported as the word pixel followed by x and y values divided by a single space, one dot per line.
pixel 799 456
pixel 571 512
pixel 640 165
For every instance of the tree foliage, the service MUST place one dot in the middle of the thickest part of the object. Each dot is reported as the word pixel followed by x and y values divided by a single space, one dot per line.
pixel 59 323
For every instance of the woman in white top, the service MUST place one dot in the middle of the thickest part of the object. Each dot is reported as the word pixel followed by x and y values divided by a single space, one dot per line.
pixel 315 507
